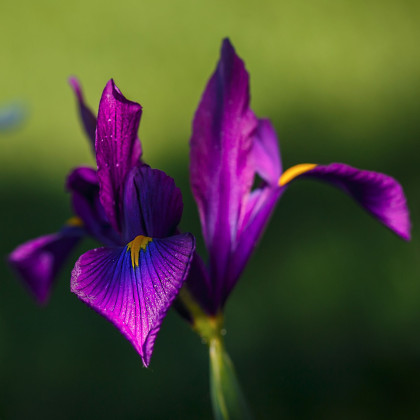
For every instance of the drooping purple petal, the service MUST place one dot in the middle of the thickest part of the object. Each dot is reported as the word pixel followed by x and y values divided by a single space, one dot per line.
pixel 152 204
pixel 380 194
pixel 38 261
pixel 118 149
pixel 133 287
pixel 87 116
pixel 221 172
pixel 84 187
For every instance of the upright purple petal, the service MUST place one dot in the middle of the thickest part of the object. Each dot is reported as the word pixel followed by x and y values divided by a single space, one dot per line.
pixel 379 194
pixel 256 209
pixel 152 204
pixel 266 153
pixel 133 287
pixel 84 187
pixel 38 261
pixel 258 203
pixel 221 172
pixel 266 162
pixel 118 149
pixel 87 116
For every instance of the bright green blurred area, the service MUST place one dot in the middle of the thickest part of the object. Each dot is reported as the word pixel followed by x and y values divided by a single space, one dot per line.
pixel 325 322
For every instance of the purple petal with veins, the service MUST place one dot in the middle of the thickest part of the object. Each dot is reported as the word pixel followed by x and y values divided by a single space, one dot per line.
pixel 133 287
pixel 152 204
pixel 118 149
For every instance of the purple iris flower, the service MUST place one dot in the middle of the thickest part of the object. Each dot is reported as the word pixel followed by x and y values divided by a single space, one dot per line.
pixel 134 211
pixel 230 147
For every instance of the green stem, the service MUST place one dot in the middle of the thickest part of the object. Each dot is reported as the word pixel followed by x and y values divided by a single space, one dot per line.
pixel 227 398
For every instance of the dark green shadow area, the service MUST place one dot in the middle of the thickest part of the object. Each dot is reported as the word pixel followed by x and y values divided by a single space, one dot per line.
pixel 323 324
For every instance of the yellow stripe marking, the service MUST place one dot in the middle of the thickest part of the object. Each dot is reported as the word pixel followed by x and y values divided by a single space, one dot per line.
pixel 295 171
pixel 138 243
pixel 74 221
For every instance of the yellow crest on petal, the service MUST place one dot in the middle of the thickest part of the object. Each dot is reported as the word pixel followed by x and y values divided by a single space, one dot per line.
pixel 138 243
pixel 74 221
pixel 295 171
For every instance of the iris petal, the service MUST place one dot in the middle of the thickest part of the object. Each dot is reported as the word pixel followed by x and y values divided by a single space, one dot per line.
pixel 134 296
pixel 152 203
pixel 84 187
pixel 38 261
pixel 87 116
pixel 379 194
pixel 229 147
pixel 118 148
pixel 221 171
pixel 266 153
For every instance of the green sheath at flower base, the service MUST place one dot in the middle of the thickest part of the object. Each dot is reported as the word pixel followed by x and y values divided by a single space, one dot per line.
pixel 227 399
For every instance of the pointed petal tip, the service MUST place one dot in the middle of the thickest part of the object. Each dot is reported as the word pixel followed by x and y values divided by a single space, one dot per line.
pixel 406 236
pixel 110 85
pixel 75 85
pixel 112 90
pixel 73 81
pixel 228 52
pixel 226 44
pixel 403 228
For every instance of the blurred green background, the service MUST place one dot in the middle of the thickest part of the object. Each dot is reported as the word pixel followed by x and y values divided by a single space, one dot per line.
pixel 325 322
